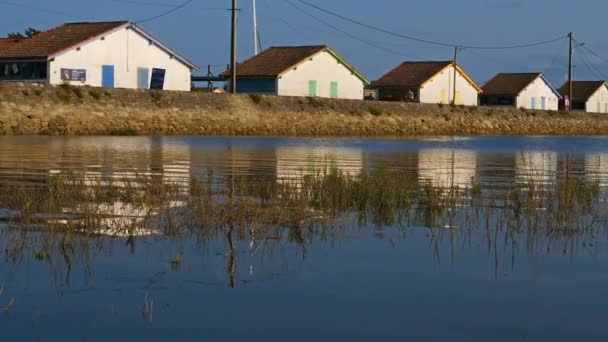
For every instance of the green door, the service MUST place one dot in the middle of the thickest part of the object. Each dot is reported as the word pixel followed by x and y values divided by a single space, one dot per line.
pixel 333 90
pixel 312 88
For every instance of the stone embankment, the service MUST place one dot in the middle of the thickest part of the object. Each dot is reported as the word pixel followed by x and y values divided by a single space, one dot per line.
pixel 27 109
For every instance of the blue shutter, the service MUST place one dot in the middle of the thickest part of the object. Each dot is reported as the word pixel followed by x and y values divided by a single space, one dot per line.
pixel 107 76
pixel 143 79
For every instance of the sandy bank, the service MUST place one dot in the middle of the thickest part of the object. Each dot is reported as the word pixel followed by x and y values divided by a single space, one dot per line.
pixel 35 109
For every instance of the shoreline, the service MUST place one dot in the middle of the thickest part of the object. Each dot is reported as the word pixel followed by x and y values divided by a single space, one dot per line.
pixel 31 109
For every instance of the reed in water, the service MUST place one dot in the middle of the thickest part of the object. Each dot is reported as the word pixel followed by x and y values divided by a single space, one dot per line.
pixel 79 209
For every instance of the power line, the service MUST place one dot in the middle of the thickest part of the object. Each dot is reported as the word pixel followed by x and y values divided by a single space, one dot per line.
pixel 595 54
pixel 592 69
pixel 176 8
pixel 426 41
pixel 350 35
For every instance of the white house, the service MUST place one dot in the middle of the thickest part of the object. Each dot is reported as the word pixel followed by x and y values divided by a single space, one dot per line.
pixel 311 71
pixel 521 90
pixel 587 96
pixel 428 82
pixel 99 54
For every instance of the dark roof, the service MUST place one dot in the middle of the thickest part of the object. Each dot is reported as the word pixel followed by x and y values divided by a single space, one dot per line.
pixel 509 83
pixel 275 60
pixel 55 40
pixel 412 74
pixel 582 90
pixel 6 43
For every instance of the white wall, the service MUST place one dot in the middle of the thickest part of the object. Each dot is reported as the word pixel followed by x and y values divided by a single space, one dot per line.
pixel 127 50
pixel 600 97
pixel 444 82
pixel 324 68
pixel 537 90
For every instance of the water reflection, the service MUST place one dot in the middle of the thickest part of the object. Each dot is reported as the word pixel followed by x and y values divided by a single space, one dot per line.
pixel 538 167
pixel 347 238
pixel 447 168
pixel 296 162
pixel 596 167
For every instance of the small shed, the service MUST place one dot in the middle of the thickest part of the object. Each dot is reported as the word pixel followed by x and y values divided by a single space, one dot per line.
pixel 520 90
pixel 428 82
pixel 588 96
pixel 116 54
pixel 312 71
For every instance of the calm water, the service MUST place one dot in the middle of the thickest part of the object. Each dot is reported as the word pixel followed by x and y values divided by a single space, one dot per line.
pixel 351 283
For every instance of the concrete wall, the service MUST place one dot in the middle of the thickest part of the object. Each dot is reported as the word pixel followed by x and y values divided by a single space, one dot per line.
pixel 537 90
pixel 440 89
pixel 127 51
pixel 598 103
pixel 324 69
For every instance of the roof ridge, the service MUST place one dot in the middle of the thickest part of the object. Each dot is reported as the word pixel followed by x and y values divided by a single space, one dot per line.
pixel 95 22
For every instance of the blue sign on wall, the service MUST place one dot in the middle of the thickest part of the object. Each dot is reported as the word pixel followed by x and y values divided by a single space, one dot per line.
pixel 158 79
pixel 78 75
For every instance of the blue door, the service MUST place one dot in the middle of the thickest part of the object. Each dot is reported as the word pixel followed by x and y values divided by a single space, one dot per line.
pixel 533 103
pixel 143 79
pixel 107 76
pixel 543 102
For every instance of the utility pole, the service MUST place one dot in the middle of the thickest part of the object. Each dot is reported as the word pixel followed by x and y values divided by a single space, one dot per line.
pixel 570 73
pixel 455 73
pixel 256 48
pixel 233 50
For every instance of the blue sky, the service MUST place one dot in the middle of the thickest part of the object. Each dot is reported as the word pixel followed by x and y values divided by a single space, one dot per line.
pixel 201 30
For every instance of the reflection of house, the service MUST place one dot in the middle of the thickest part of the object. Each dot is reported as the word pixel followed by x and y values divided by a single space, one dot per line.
pixel 538 167
pixel 169 164
pixel 447 168
pixel 428 82
pixel 587 96
pixel 596 167
pixel 294 163
pixel 520 90
pixel 313 71
pixel 101 54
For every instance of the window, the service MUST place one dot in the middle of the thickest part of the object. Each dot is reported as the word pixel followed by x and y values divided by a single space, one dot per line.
pixel 23 71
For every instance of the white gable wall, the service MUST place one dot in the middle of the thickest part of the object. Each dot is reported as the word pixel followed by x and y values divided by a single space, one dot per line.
pixel 440 89
pixel 537 90
pixel 598 103
pixel 127 51
pixel 324 69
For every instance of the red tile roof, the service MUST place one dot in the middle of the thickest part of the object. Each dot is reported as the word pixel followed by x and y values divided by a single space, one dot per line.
pixel 6 43
pixel 275 60
pixel 411 74
pixel 582 90
pixel 509 83
pixel 50 42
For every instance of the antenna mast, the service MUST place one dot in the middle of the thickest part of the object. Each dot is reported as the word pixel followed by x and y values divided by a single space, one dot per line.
pixel 256 47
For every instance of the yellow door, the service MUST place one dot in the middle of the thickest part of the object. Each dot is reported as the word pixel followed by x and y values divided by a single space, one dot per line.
pixel 457 98
pixel 442 97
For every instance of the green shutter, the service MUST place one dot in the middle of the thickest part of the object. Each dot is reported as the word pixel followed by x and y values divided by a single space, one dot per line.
pixel 312 88
pixel 598 108
pixel 333 90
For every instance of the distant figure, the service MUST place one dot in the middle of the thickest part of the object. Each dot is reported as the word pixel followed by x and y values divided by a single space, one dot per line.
pixel 410 96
